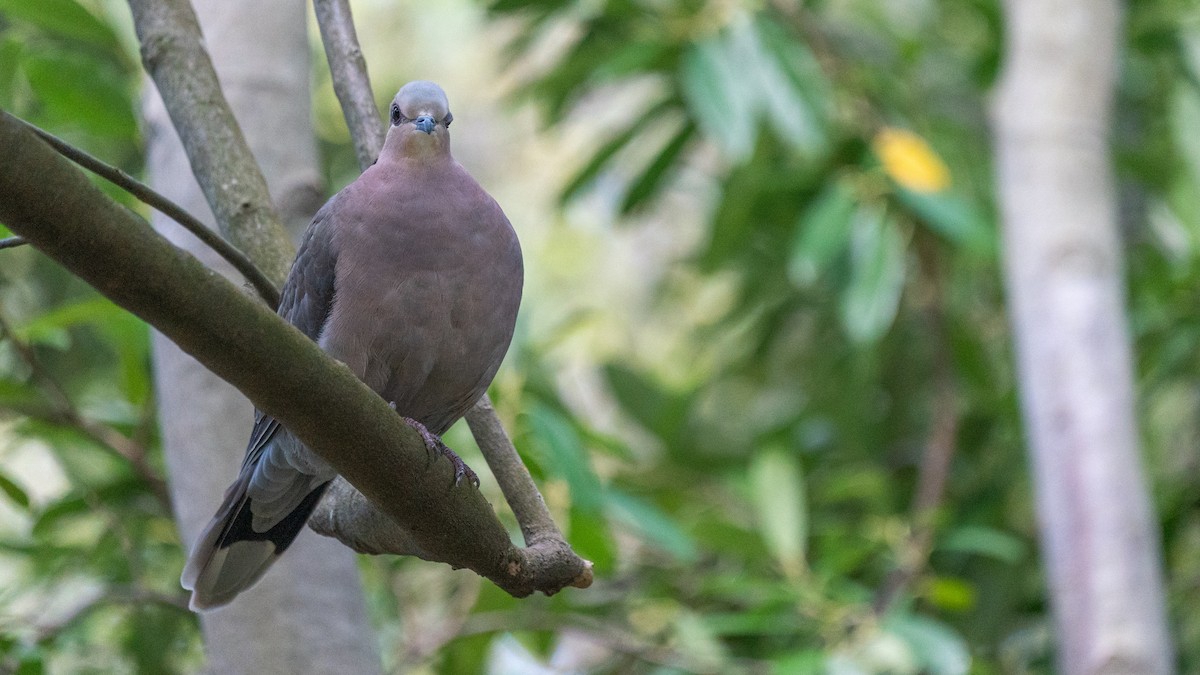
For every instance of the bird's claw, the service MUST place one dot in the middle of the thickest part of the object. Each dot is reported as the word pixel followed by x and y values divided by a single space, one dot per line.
pixel 436 447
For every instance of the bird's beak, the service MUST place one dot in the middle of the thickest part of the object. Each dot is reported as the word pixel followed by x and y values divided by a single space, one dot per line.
pixel 425 123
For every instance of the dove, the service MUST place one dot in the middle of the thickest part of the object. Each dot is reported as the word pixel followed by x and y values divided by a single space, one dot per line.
pixel 411 276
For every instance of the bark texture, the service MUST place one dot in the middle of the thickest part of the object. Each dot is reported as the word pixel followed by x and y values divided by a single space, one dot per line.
pixel 308 615
pixel 1064 271
pixel 349 71
pixel 174 55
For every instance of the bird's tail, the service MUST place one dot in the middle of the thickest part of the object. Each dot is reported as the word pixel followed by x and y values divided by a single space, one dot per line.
pixel 231 555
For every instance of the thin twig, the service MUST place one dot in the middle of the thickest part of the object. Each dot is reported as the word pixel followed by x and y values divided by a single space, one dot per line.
pixel 934 469
pixel 65 412
pixel 515 482
pixel 350 81
pixel 45 632
pixel 168 208
pixel 12 242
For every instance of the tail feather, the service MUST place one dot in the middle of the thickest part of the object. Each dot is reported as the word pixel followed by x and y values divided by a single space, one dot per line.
pixel 231 555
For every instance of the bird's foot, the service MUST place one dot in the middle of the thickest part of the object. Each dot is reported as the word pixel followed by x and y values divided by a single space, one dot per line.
pixel 436 447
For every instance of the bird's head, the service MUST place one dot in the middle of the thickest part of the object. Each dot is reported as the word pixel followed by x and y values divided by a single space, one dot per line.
pixel 420 121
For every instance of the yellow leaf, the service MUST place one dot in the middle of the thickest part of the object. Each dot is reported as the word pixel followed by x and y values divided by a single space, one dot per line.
pixel 909 160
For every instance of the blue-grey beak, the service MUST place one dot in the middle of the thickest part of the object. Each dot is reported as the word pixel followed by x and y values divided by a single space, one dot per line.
pixel 425 123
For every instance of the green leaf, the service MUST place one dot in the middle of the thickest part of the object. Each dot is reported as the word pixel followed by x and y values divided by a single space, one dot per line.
pixel 778 493
pixel 693 637
pixel 14 492
pixel 18 395
pixel 58 512
pixel 50 327
pixel 1185 119
pixel 659 411
pixel 870 300
pixel 954 218
pixel 31 664
pixel 773 90
pixel 654 525
pixel 80 92
pixel 972 363
pixel 129 337
pixel 604 155
pixel 117 493
pixel 713 87
pixel 632 59
pixel 806 662
pixel 560 445
pixel 822 234
pixel 984 541
pixel 647 185
pixel 939 650
pixel 65 18
pixel 950 594
pixel 757 621
pixel 809 92
pixel 735 81
pixel 561 86
pixel 588 532
pixel 10 55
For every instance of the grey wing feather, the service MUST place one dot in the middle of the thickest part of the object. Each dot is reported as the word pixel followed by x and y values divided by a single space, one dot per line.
pixel 281 481
pixel 307 296
pixel 305 302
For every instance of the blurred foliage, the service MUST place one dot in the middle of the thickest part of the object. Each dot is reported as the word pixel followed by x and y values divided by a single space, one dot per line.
pixel 89 555
pixel 753 507
pixel 843 153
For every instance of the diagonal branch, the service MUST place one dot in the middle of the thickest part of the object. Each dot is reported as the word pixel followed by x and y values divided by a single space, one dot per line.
pixel 350 81
pixel 934 469
pixel 49 202
pixel 173 54
pixel 147 195
pixel 46 631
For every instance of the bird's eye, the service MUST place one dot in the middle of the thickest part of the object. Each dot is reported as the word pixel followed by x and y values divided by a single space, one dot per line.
pixel 396 116
pixel 447 120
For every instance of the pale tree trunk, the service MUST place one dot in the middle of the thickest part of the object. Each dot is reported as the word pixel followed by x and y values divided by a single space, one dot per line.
pixel 308 614
pixel 1064 270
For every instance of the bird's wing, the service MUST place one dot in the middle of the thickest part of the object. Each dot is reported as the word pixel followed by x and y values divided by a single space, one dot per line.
pixel 307 297
pixel 305 302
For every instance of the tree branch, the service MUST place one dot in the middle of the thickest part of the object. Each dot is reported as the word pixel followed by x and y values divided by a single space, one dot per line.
pixel 350 80
pixel 47 631
pixel 50 203
pixel 1063 274
pixel 356 524
pixel 934 469
pixel 173 54
pixel 537 527
pixel 155 200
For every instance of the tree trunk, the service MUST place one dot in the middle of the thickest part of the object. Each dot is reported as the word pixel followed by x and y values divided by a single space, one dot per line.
pixel 1063 267
pixel 308 615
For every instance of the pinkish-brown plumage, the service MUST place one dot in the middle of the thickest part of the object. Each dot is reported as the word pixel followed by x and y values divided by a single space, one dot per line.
pixel 411 276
